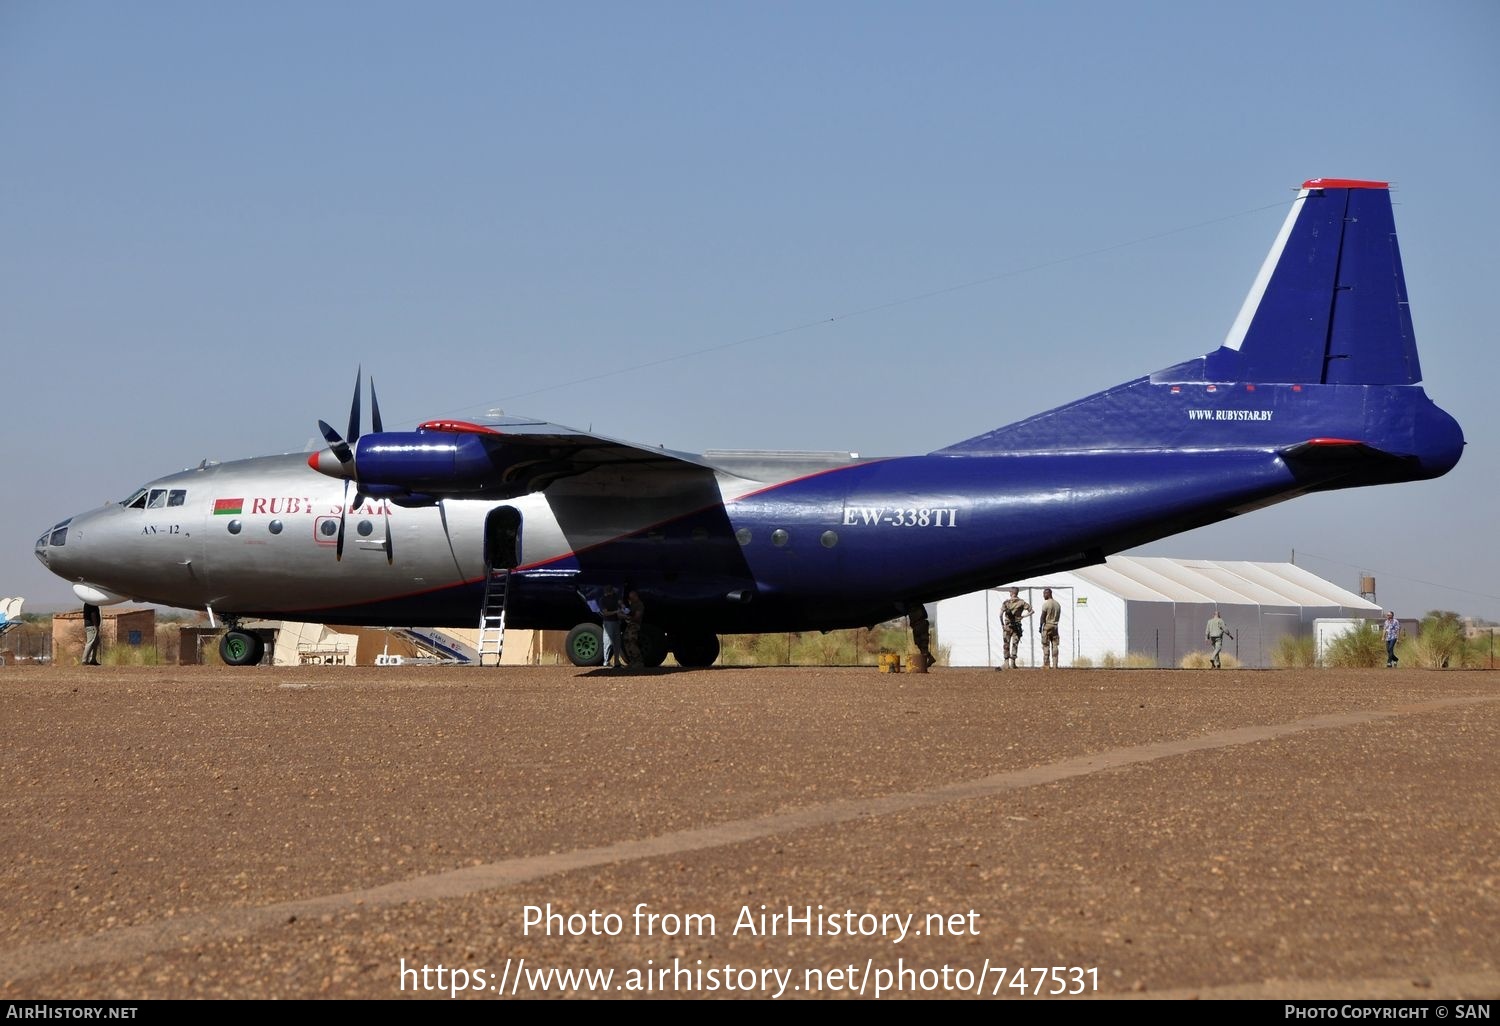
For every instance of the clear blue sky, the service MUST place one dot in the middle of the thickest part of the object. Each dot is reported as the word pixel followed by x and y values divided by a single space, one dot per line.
pixel 210 213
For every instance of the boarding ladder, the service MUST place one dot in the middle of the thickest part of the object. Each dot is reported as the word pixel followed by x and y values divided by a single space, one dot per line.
pixel 492 619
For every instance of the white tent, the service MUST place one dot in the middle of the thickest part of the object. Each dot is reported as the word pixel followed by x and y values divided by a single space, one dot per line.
pixel 1152 608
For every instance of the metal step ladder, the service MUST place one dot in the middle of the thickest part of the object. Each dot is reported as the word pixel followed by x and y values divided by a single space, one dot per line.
pixel 492 618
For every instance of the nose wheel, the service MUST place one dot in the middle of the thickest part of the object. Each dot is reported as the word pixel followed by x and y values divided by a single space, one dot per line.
pixel 585 645
pixel 241 648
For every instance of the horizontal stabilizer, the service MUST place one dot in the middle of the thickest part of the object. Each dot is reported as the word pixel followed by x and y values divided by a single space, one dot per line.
pixel 1334 457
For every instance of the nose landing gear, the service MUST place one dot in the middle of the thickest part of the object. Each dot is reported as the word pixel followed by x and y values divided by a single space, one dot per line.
pixel 241 647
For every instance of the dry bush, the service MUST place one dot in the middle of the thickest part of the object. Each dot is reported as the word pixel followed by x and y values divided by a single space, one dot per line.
pixel 1130 661
pixel 836 648
pixel 852 647
pixel 130 655
pixel 736 650
pixel 1203 661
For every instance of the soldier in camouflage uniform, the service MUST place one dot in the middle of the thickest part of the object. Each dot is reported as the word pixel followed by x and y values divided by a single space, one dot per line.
pixel 1012 611
pixel 1051 617
pixel 634 612
pixel 921 636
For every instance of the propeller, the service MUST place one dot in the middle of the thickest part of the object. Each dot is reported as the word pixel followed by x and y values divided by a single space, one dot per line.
pixel 377 427
pixel 343 451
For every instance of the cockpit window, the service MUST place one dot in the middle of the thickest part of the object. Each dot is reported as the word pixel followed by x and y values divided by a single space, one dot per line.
pixel 57 536
pixel 156 498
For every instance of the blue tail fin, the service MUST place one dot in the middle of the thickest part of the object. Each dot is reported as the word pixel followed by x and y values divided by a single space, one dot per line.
pixel 1329 305
pixel 1322 352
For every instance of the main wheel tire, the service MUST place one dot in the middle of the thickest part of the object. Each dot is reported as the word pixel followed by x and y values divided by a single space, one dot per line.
pixel 653 646
pixel 241 648
pixel 695 650
pixel 585 645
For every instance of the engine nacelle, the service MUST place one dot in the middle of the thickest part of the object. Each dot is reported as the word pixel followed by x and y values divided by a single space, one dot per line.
pixel 387 463
pixel 422 461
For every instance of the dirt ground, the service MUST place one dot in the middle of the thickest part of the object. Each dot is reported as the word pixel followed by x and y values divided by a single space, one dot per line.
pixel 346 832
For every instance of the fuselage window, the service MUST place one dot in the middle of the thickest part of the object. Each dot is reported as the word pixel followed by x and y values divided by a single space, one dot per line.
pixel 177 496
pixel 158 498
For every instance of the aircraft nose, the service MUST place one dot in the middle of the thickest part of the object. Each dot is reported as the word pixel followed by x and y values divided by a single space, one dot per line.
pixel 49 546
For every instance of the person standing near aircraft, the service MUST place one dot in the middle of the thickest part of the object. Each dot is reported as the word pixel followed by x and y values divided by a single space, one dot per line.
pixel 634 612
pixel 1391 631
pixel 91 623
pixel 1051 618
pixel 609 612
pixel 1214 634
pixel 1012 611
pixel 921 635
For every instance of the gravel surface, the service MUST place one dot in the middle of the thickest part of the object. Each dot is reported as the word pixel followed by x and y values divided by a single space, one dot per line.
pixel 173 832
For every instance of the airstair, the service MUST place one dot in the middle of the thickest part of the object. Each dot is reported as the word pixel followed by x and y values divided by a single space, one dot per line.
pixel 492 618
pixel 436 645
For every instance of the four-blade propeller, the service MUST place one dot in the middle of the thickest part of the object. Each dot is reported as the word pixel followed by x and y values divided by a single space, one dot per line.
pixel 344 452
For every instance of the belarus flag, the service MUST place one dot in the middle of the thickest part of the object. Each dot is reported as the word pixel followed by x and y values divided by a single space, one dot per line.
pixel 232 507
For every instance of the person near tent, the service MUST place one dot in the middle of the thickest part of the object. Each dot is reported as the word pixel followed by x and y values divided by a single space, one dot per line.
pixel 1012 611
pixel 1215 633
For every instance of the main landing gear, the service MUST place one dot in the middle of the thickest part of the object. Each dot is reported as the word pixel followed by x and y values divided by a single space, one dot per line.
pixel 585 646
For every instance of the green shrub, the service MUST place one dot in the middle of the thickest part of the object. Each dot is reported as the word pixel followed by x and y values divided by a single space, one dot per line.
pixel 1360 647
pixel 1295 652
pixel 1440 644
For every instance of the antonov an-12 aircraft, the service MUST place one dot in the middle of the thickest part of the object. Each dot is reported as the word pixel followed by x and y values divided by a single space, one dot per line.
pixel 521 522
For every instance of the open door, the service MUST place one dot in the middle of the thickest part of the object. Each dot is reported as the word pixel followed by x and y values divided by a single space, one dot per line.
pixel 502 554
pixel 502 538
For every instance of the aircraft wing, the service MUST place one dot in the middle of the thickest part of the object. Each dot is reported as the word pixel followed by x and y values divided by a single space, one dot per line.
pixel 502 458
pixel 521 438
